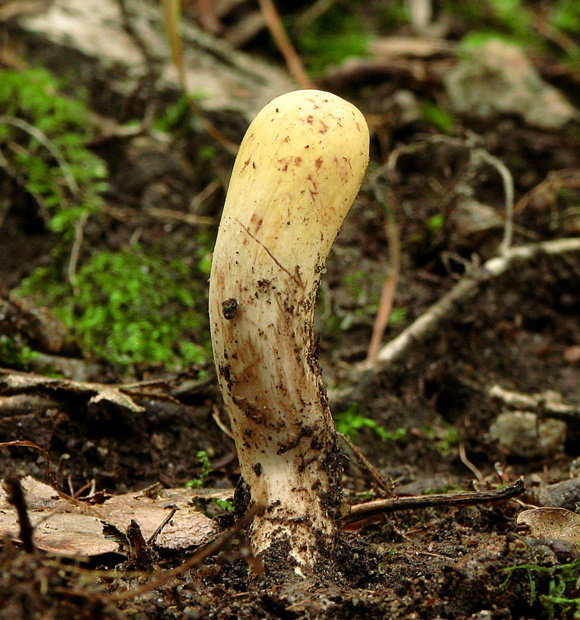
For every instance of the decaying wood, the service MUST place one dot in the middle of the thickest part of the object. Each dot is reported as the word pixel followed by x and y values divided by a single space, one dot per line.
pixel 89 39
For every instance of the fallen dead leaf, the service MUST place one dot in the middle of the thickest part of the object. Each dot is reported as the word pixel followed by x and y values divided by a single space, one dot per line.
pixel 552 524
pixel 75 528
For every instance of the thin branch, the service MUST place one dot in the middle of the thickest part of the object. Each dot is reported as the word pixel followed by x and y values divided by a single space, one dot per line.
pixel 384 506
pixel 494 267
pixel 367 466
pixel 151 540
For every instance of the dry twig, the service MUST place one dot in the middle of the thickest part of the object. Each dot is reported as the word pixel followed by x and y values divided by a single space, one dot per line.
pixel 469 285
pixel 384 506
pixel 367 466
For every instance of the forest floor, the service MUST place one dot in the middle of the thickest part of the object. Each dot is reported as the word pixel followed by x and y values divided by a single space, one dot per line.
pixel 427 419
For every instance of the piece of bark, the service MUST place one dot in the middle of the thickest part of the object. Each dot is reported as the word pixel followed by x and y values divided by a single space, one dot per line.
pixel 88 40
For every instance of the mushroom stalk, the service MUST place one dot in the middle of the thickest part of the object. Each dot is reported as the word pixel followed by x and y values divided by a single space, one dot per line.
pixel 297 173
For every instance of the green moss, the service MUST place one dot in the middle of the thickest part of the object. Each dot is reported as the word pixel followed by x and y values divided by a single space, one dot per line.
pixel 132 307
pixel 43 137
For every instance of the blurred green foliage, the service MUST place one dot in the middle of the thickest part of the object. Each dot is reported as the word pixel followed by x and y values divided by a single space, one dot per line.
pixel 14 354
pixel 336 35
pixel 436 115
pixel 513 20
pixel 517 21
pixel 565 15
pixel 350 421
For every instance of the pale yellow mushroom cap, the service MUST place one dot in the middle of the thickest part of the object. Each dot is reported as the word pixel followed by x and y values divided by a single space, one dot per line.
pixel 297 173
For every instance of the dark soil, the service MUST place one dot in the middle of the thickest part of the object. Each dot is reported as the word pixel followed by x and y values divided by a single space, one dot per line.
pixel 519 331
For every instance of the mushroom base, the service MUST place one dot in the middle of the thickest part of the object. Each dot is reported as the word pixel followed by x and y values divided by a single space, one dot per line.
pixel 302 517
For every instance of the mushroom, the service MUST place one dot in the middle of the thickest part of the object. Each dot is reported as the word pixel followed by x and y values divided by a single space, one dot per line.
pixel 297 173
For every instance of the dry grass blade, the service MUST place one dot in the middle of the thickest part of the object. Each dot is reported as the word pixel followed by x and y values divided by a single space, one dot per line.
pixel 171 18
pixel 293 61
pixel 48 145
pixel 171 10
pixel 30 444
pixel 390 283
